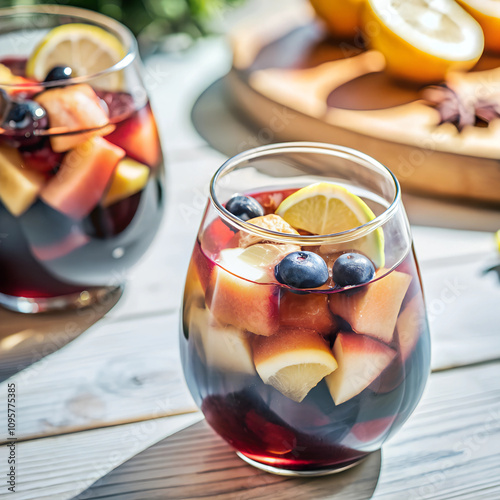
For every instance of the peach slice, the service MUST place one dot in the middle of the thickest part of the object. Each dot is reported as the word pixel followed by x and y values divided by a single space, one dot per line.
pixel 307 311
pixel 224 348
pixel 73 108
pixel 374 309
pixel 19 187
pixel 361 360
pixel 293 361
pixel 410 323
pixel 272 222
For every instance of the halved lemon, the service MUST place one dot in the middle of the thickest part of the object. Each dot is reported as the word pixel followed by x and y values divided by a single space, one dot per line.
pixel 293 361
pixel 327 208
pixel 487 14
pixel 85 48
pixel 341 16
pixel 422 40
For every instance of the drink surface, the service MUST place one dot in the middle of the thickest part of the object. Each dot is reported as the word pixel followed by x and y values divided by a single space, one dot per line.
pixel 257 353
pixel 83 194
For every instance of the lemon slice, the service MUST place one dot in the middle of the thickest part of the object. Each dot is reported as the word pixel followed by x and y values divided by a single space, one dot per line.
pixel 422 40
pixel 293 361
pixel 327 208
pixel 487 14
pixel 85 48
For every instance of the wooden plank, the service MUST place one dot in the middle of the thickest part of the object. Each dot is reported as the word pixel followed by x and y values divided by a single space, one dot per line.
pixel 26 339
pixel 61 467
pixel 449 449
pixel 115 372
pixel 462 305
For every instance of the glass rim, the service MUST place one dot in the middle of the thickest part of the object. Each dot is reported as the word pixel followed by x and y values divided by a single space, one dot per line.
pixel 305 147
pixel 126 37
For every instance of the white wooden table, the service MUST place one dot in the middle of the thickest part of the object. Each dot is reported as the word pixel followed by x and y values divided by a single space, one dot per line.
pixel 117 389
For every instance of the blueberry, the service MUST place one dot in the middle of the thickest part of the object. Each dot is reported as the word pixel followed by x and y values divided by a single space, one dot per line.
pixel 59 73
pixel 302 270
pixel 244 207
pixel 352 269
pixel 21 121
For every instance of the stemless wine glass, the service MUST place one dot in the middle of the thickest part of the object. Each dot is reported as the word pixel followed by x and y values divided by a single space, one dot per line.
pixel 303 381
pixel 81 167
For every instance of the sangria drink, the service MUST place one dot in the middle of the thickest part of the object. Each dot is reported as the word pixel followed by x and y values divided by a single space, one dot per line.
pixel 81 168
pixel 304 337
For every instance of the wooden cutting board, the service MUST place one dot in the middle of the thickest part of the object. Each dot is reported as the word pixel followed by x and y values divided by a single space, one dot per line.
pixel 296 83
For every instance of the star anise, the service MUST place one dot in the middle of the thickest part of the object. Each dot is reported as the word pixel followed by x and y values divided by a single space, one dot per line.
pixel 462 110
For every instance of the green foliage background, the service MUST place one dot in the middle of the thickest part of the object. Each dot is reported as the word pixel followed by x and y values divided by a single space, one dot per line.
pixel 151 19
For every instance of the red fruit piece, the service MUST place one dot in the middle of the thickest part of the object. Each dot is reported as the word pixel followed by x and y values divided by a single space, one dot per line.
pixel 72 109
pixel 307 311
pixel 83 177
pixel 372 429
pixel 270 201
pixel 277 439
pixel 218 236
pixel 73 240
pixel 202 266
pixel 42 159
pixel 410 324
pixel 138 136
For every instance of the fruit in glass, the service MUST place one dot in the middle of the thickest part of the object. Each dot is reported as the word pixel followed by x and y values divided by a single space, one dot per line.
pixel 81 168
pixel 304 337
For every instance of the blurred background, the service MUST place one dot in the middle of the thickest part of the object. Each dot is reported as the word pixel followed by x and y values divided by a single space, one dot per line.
pixel 159 25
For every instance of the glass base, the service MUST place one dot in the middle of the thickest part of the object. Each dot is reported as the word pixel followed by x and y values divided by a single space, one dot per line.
pixel 79 300
pixel 298 473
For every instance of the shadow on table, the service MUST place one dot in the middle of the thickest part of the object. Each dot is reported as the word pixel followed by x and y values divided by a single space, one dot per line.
pixel 196 463
pixel 27 338
pixel 226 129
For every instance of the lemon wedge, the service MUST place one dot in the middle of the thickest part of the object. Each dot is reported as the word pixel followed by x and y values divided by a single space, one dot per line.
pixel 497 238
pixel 487 14
pixel 85 48
pixel 293 361
pixel 327 208
pixel 422 40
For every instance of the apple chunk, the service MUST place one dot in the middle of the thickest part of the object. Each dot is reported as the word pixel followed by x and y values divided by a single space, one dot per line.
pixel 307 311
pixel 83 177
pixel 74 108
pixel 374 309
pixel 19 187
pixel 241 291
pixel 410 324
pixel 224 348
pixel 244 304
pixel 293 361
pixel 361 360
